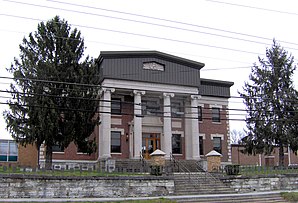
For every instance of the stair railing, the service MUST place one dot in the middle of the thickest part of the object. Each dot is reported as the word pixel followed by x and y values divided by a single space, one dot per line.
pixel 207 174
pixel 180 165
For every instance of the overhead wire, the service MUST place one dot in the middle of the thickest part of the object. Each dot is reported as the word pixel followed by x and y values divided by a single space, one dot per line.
pixel 253 7
pixel 166 20
pixel 143 22
pixel 148 36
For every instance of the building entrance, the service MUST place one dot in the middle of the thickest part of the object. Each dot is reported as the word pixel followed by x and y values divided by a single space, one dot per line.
pixel 150 142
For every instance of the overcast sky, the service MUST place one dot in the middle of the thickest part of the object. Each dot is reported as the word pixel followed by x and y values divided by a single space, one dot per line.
pixel 226 35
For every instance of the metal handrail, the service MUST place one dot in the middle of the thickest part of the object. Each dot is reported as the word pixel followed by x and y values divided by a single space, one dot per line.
pixel 186 170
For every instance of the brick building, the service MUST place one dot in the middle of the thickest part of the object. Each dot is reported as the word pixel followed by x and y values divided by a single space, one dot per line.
pixel 261 159
pixel 151 100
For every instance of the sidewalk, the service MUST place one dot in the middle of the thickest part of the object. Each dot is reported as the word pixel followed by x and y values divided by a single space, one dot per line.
pixel 117 199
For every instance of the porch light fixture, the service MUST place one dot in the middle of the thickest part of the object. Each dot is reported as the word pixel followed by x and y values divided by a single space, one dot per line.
pixel 126 137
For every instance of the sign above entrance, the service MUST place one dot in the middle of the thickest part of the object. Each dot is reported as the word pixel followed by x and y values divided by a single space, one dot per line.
pixel 153 66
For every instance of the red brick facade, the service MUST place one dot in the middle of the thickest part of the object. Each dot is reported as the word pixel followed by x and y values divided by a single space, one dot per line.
pixel 260 159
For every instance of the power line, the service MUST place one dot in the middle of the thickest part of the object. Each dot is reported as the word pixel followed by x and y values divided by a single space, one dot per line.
pixel 143 22
pixel 167 20
pixel 253 7
pixel 144 48
pixel 147 36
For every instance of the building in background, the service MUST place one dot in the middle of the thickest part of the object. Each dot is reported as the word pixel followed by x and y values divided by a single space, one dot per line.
pixel 151 100
pixel 261 159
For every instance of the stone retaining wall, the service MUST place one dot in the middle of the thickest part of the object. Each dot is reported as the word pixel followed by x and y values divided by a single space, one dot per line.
pixel 35 186
pixel 262 183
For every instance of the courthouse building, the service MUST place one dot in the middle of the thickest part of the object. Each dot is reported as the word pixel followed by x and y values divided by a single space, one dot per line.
pixel 152 100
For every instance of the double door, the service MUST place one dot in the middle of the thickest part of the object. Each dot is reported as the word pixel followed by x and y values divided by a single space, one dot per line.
pixel 150 142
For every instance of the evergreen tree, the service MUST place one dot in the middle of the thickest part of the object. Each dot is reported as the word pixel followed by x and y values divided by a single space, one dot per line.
pixel 54 90
pixel 271 100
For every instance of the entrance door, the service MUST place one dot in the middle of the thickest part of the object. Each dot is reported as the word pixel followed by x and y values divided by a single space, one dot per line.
pixel 150 142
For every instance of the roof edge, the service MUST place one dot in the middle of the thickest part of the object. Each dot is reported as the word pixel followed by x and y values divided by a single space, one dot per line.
pixel 112 54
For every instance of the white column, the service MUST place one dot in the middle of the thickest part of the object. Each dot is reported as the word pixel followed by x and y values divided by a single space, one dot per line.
pixel 195 127
pixel 137 131
pixel 167 125
pixel 187 130
pixel 105 127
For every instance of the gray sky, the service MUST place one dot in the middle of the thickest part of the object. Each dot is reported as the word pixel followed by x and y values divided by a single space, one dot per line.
pixel 226 35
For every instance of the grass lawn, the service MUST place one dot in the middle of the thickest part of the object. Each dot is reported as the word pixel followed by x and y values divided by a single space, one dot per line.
pixel 290 196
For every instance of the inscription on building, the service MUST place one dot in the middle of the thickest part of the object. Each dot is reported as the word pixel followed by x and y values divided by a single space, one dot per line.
pixel 153 66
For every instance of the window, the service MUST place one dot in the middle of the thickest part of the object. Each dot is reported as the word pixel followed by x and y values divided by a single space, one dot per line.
pixel 215 114
pixel 176 144
pixel 200 117
pixel 151 107
pixel 176 109
pixel 217 144
pixel 8 150
pixel 116 106
pixel 201 145
pixel 115 142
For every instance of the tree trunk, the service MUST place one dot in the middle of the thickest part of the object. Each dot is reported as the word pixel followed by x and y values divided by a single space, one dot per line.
pixel 281 156
pixel 49 153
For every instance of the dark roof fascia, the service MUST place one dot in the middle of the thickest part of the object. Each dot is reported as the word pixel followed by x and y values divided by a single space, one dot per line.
pixel 216 82
pixel 157 54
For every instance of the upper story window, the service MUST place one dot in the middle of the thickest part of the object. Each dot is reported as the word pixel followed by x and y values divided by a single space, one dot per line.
pixel 176 109
pixel 200 113
pixel 215 114
pixel 151 107
pixel 116 106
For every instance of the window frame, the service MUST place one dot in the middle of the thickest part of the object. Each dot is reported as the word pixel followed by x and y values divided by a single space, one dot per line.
pixel 113 146
pixel 177 105
pixel 201 145
pixel 151 109
pixel 116 102
pixel 179 144
pixel 10 152
pixel 215 115
pixel 200 113
pixel 218 149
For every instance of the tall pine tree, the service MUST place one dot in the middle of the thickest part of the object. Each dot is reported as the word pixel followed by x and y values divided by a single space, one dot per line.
pixel 271 101
pixel 54 90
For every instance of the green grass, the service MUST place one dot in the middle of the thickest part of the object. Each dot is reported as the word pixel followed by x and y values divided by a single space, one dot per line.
pixel 258 170
pixel 66 173
pixel 160 200
pixel 290 196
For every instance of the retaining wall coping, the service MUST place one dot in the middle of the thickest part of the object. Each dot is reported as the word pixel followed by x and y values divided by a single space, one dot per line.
pixel 52 177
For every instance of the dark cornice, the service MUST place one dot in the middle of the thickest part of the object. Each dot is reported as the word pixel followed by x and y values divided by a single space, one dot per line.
pixel 157 54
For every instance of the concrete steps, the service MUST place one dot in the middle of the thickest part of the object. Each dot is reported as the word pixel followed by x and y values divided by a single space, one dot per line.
pixel 252 198
pixel 199 183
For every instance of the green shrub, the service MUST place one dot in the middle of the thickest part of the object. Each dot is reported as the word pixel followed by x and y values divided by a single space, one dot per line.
pixel 232 169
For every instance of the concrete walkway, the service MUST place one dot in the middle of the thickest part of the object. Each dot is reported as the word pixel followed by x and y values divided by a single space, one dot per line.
pixel 117 199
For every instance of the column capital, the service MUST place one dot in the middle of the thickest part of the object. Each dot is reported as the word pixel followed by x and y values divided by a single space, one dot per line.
pixel 106 89
pixel 195 97
pixel 168 94
pixel 138 92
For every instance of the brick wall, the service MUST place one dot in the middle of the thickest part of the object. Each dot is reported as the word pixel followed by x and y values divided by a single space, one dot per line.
pixel 260 159
pixel 208 128
pixel 28 156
